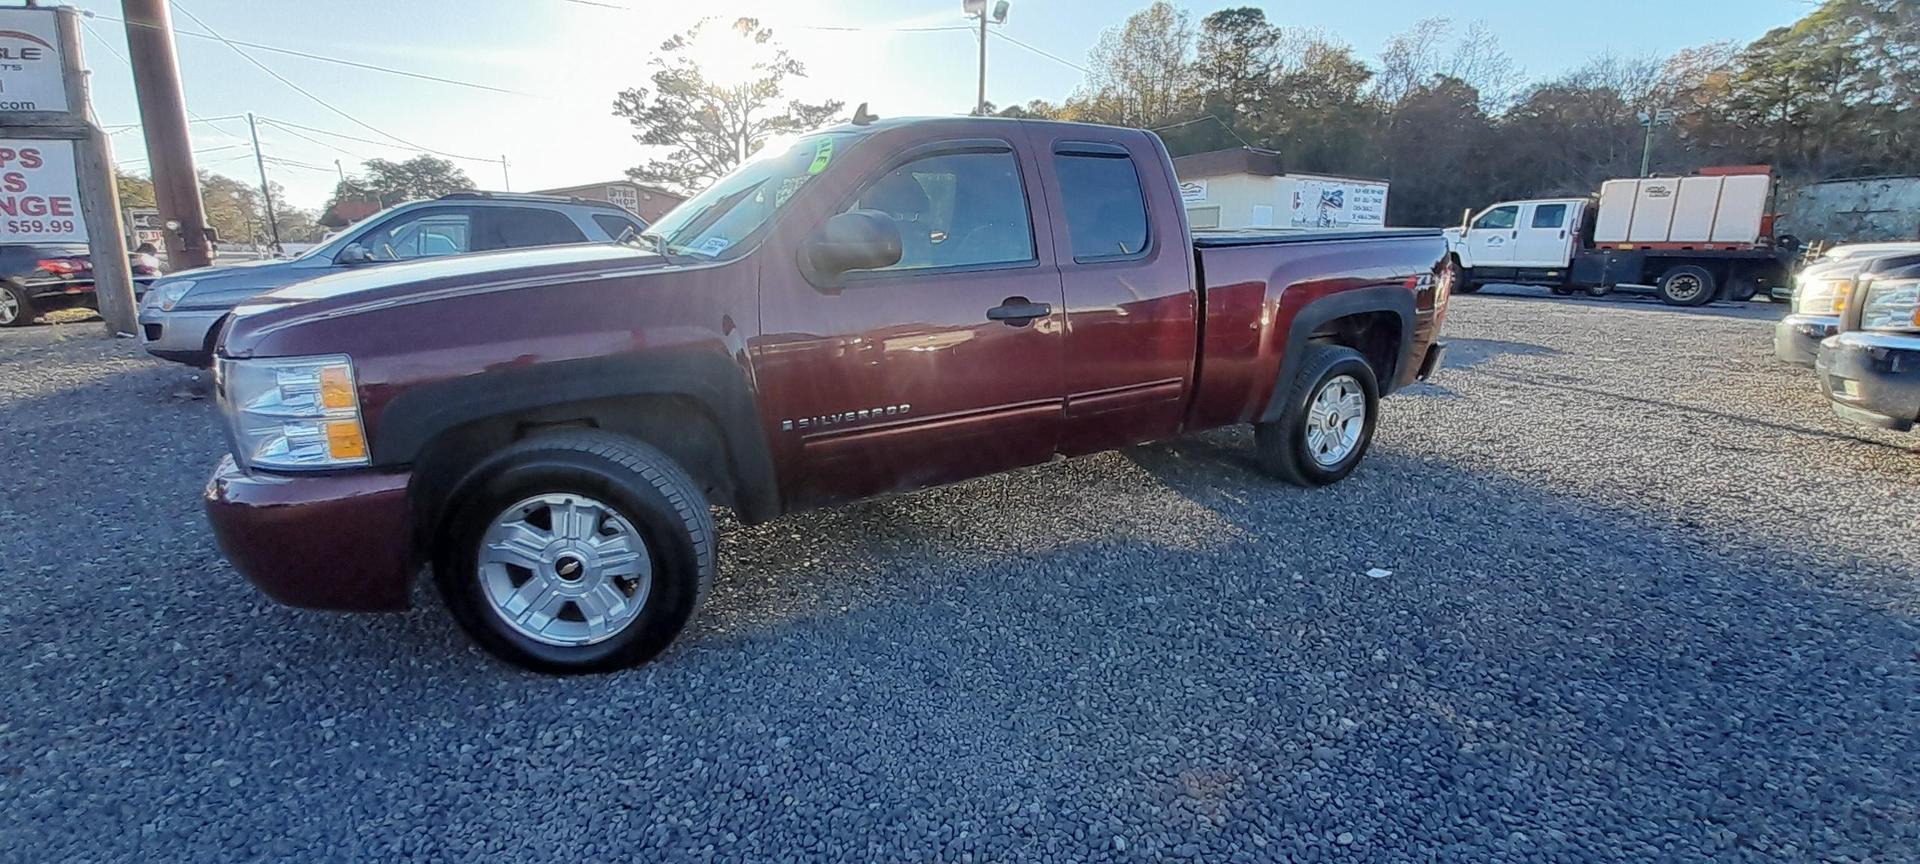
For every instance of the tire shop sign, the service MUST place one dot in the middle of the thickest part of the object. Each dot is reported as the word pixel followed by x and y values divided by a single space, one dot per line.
pixel 39 193
pixel 30 76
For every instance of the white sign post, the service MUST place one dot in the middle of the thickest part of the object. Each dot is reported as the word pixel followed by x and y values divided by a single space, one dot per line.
pixel 56 169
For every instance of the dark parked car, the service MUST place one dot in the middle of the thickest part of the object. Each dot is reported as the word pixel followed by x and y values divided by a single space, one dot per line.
pixel 1870 370
pixel 39 278
pixel 182 315
pixel 879 307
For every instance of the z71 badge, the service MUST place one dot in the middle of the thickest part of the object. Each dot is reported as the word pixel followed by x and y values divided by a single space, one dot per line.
pixel 843 417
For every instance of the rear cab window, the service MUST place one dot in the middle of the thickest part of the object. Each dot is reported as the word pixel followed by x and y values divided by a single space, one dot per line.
pixel 521 227
pixel 1549 215
pixel 1106 207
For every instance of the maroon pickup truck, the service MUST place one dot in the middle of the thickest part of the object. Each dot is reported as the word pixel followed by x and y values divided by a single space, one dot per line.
pixel 874 308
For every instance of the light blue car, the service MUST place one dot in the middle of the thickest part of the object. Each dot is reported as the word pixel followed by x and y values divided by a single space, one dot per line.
pixel 181 313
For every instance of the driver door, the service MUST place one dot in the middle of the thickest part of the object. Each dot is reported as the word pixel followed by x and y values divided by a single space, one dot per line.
pixel 1490 240
pixel 945 366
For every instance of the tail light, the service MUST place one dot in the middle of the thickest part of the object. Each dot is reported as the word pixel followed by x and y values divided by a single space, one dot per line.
pixel 64 266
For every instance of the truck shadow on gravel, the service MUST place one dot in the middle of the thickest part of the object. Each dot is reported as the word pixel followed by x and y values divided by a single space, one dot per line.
pixel 1750 310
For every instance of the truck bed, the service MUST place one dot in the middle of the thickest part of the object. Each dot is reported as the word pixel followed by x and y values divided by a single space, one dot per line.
pixel 1209 238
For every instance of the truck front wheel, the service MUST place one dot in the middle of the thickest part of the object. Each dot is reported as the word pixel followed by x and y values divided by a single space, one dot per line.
pixel 1327 420
pixel 1686 285
pixel 574 552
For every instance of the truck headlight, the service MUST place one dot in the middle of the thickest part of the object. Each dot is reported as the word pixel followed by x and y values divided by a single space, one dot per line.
pixel 1822 296
pixel 292 413
pixel 1891 304
pixel 163 297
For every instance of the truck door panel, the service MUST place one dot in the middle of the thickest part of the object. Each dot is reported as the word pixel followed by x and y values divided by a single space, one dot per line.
pixel 1490 238
pixel 905 378
pixel 1544 228
pixel 1127 273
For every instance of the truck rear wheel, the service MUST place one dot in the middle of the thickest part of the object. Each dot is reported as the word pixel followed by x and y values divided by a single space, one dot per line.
pixel 576 552
pixel 1327 420
pixel 1686 285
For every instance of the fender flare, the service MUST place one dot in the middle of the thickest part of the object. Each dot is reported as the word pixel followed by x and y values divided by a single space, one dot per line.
pixel 711 380
pixel 1392 299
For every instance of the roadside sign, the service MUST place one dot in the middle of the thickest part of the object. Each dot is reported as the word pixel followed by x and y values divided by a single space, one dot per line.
pixel 143 219
pixel 1193 190
pixel 39 193
pixel 30 66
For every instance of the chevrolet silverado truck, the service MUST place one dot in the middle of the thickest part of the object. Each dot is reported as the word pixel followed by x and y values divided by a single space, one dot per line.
pixel 876 307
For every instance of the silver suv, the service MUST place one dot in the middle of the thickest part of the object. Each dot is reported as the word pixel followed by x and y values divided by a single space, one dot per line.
pixel 181 313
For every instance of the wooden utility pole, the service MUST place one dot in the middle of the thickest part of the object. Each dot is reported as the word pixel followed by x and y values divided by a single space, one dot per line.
pixel 266 191
pixel 163 120
pixel 54 158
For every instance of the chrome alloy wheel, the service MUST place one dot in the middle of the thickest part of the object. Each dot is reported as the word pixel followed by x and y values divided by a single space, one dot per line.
pixel 1335 419
pixel 9 307
pixel 564 569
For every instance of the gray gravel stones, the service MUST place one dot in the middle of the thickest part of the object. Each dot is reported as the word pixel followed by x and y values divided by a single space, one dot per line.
pixel 1649 601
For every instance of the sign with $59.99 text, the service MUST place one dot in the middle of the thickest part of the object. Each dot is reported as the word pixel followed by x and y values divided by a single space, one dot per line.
pixel 39 193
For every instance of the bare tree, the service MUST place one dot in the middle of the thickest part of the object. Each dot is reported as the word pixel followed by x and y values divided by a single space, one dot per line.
pixel 1140 72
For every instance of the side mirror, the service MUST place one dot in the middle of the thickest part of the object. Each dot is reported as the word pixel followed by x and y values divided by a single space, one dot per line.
pixel 854 240
pixel 353 256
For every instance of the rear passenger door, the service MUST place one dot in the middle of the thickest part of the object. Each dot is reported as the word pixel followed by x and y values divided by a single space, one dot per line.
pixel 1126 270
pixel 522 227
pixel 1543 235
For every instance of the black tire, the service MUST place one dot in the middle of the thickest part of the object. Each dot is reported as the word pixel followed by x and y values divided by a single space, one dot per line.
pixel 1686 285
pixel 1740 290
pixel 1467 287
pixel 16 308
pixel 637 482
pixel 1561 290
pixel 1283 446
pixel 1599 290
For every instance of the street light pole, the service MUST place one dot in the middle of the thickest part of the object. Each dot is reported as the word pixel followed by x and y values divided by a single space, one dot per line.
pixel 979 9
pixel 1650 119
pixel 980 104
pixel 266 191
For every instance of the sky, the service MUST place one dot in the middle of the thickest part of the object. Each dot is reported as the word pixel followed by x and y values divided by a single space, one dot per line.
pixel 566 59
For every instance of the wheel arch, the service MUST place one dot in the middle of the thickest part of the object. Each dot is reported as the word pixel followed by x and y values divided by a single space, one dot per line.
pixel 697 409
pixel 1380 319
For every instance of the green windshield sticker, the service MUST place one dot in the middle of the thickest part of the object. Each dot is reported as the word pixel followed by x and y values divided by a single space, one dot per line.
pixel 821 156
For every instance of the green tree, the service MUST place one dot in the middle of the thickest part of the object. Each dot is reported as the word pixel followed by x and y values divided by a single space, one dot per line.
pixel 1140 72
pixel 135 190
pixel 716 99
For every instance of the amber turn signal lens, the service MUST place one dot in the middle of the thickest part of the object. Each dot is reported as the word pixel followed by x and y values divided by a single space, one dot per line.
pixel 336 387
pixel 344 440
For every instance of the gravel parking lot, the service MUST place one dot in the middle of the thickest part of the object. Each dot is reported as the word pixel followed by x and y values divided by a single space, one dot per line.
pixel 1647 600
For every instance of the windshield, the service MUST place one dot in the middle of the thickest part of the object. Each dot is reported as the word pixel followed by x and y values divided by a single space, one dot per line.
pixel 716 223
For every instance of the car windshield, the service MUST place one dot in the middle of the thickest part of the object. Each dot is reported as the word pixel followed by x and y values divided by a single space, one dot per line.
pixel 716 223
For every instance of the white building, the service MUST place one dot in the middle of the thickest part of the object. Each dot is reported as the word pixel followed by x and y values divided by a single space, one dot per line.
pixel 1247 187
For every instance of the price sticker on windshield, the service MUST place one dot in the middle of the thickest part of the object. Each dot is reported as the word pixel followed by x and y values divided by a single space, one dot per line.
pixel 821 156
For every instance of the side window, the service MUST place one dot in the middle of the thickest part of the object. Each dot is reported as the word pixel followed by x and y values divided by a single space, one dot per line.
pixel 955 210
pixel 1106 212
pixel 427 235
pixel 616 225
pixel 520 227
pixel 1498 218
pixel 1549 215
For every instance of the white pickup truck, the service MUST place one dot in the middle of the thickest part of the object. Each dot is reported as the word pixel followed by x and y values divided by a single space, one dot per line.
pixel 1690 240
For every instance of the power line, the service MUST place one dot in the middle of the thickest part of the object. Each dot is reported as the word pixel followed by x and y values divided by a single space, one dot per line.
pixel 1202 119
pixel 1050 56
pixel 302 135
pixel 320 57
pixel 295 164
pixel 286 125
pixel 317 100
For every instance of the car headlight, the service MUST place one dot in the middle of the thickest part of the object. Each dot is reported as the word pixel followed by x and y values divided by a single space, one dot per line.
pixel 292 413
pixel 1822 296
pixel 1891 304
pixel 163 297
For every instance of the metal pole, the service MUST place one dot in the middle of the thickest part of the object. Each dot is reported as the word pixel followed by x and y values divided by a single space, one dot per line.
pixel 1646 150
pixel 266 191
pixel 99 193
pixel 980 107
pixel 506 181
pixel 342 171
pixel 163 121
